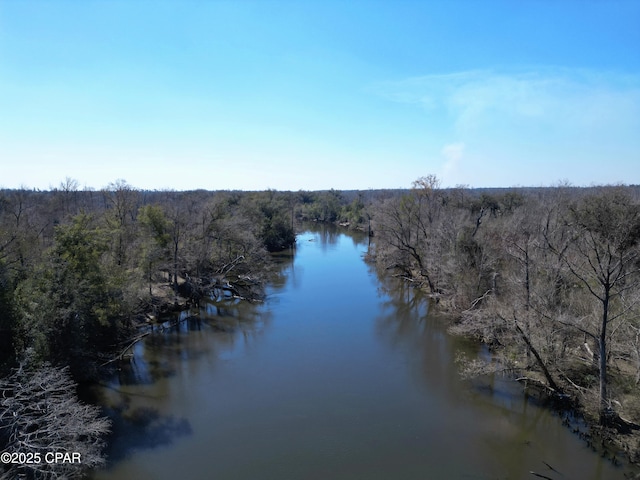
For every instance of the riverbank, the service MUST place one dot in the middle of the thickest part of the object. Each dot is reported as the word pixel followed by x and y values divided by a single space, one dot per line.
pixel 619 442
pixel 165 299
pixel 547 279
pixel 313 385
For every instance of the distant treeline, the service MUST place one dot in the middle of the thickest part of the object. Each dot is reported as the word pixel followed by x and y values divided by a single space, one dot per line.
pixel 79 269
pixel 548 277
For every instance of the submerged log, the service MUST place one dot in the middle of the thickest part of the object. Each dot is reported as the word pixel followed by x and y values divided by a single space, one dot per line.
pixel 539 475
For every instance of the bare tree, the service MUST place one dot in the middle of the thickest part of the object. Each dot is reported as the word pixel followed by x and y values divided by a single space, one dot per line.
pixel 604 257
pixel 123 201
pixel 410 226
pixel 68 194
pixel 41 416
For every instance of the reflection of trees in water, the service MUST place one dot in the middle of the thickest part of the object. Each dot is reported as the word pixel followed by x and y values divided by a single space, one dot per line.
pixel 406 324
pixel 507 437
pixel 358 238
pixel 136 423
pixel 130 396
pixel 281 267
pixel 325 234
pixel 521 432
pixel 191 337
pixel 402 296
pixel 143 428
pixel 510 428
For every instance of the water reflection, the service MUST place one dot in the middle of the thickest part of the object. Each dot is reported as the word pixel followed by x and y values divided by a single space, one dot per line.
pixel 144 428
pixel 511 434
pixel 329 236
pixel 405 324
pixel 140 397
pixel 340 375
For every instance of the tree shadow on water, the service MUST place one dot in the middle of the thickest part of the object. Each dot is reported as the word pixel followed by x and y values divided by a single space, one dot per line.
pixel 142 428
pixel 141 371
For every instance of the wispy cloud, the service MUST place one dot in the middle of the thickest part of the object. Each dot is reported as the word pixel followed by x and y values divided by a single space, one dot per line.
pixel 509 119
pixel 554 96
pixel 452 154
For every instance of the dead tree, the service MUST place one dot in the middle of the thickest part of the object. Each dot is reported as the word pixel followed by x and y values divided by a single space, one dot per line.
pixel 40 415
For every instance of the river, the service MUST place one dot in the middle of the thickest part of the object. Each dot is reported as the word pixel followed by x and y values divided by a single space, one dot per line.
pixel 333 377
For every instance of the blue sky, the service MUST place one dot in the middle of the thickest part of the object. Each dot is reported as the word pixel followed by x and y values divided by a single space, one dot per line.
pixel 318 94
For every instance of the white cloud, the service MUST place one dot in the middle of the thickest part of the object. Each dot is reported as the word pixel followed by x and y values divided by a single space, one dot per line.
pixel 452 154
pixel 529 127
pixel 573 101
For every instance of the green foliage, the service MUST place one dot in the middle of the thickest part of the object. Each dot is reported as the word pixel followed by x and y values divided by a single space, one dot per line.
pixel 71 307
pixel 277 233
pixel 154 249
pixel 354 213
pixel 273 212
pixel 69 284
pixel 326 206
pixel 155 223
pixel 72 285
pixel 277 230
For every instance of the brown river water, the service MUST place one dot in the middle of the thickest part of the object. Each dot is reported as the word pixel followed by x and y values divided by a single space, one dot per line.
pixel 334 376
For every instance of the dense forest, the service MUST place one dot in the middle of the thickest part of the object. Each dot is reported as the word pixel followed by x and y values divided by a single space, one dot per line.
pixel 549 278
pixel 81 272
